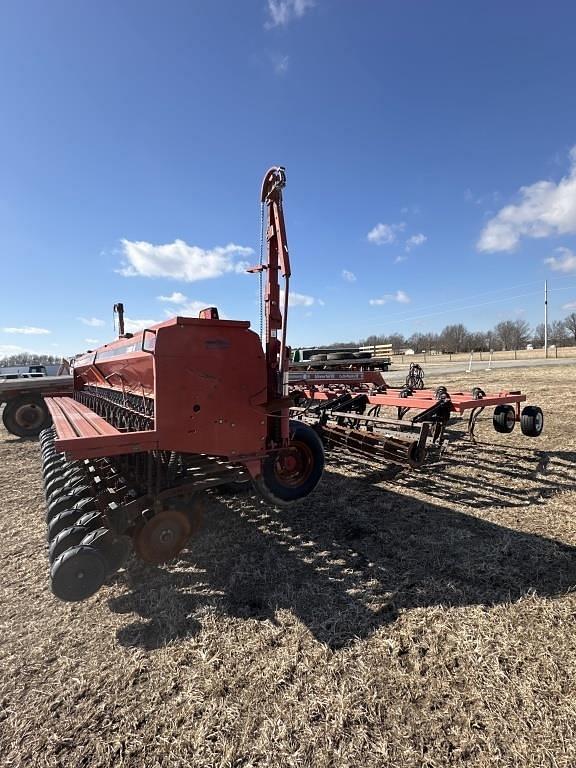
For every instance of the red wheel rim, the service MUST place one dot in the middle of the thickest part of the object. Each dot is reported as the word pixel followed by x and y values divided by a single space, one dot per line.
pixel 293 465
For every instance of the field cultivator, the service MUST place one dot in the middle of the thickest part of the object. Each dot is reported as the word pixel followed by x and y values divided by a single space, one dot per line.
pixel 374 420
pixel 158 418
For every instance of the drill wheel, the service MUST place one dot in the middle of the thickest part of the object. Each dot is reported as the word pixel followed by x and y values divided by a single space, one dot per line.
pixel 78 573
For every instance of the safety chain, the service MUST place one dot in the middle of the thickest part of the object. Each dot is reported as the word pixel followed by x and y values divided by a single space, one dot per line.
pixel 260 273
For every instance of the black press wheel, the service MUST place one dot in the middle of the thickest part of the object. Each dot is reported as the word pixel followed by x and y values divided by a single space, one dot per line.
pixel 26 416
pixel 78 573
pixel 532 421
pixel 504 419
pixel 66 539
pixel 113 548
pixel 294 472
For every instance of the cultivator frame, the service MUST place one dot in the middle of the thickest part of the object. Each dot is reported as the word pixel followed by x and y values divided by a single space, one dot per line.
pixel 348 417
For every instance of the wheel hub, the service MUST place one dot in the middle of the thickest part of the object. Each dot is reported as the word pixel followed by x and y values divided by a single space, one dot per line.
pixel 29 416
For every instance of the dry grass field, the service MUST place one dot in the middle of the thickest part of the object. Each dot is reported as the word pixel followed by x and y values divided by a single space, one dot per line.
pixel 391 619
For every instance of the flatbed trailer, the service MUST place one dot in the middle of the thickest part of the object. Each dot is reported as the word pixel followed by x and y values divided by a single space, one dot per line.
pixel 25 412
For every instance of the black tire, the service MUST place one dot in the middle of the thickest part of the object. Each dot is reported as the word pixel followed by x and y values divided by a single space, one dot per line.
pixel 82 506
pixel 504 419
pixel 532 421
pixel 338 356
pixel 114 549
pixel 65 501
pixel 317 358
pixel 66 539
pixel 78 574
pixel 280 488
pixel 26 416
pixel 62 520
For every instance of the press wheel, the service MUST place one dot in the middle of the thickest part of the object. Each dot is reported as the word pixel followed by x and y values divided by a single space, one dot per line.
pixel 78 573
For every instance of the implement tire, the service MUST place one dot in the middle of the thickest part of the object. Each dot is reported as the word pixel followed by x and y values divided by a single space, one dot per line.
pixel 293 473
pixel 26 416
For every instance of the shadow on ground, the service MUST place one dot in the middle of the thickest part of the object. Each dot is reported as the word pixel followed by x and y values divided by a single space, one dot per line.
pixel 345 561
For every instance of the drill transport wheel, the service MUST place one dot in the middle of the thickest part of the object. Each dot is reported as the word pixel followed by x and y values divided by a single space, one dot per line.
pixel 162 537
pixel 295 471
pixel 78 574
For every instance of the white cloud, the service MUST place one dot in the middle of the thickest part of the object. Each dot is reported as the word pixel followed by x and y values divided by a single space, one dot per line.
pixel 415 240
pixel 174 298
pixel 400 296
pixel 299 300
pixel 92 341
pixel 190 309
pixel 384 234
pixel 570 305
pixel 400 259
pixel 566 262
pixel 28 330
pixel 133 326
pixel 545 209
pixel 93 322
pixel 180 260
pixel 282 12
pixel 350 277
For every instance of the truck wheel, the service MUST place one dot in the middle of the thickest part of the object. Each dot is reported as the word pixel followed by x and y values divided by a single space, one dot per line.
pixel 294 472
pixel 26 416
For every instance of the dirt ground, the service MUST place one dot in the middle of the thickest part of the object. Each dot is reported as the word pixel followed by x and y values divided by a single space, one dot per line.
pixel 423 619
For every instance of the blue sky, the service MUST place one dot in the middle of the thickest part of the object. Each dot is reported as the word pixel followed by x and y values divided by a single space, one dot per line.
pixel 428 147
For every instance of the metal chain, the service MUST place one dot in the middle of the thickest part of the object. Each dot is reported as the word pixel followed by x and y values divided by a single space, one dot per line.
pixel 260 273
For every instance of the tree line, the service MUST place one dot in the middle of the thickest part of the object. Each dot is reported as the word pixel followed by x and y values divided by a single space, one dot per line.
pixel 25 358
pixel 506 335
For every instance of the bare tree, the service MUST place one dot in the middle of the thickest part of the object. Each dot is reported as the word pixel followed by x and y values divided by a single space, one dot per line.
pixel 454 338
pixel 512 334
pixel 570 323
pixel 558 333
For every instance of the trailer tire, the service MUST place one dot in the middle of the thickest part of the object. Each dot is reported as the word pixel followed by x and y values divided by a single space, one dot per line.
pixel 26 416
pixel 285 479
pixel 504 419
pixel 532 421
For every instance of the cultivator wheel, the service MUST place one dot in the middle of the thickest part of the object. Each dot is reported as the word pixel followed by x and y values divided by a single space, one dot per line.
pixel 504 419
pixel 26 416
pixel 295 471
pixel 532 421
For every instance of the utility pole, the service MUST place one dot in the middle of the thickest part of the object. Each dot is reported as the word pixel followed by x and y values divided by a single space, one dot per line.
pixel 545 318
